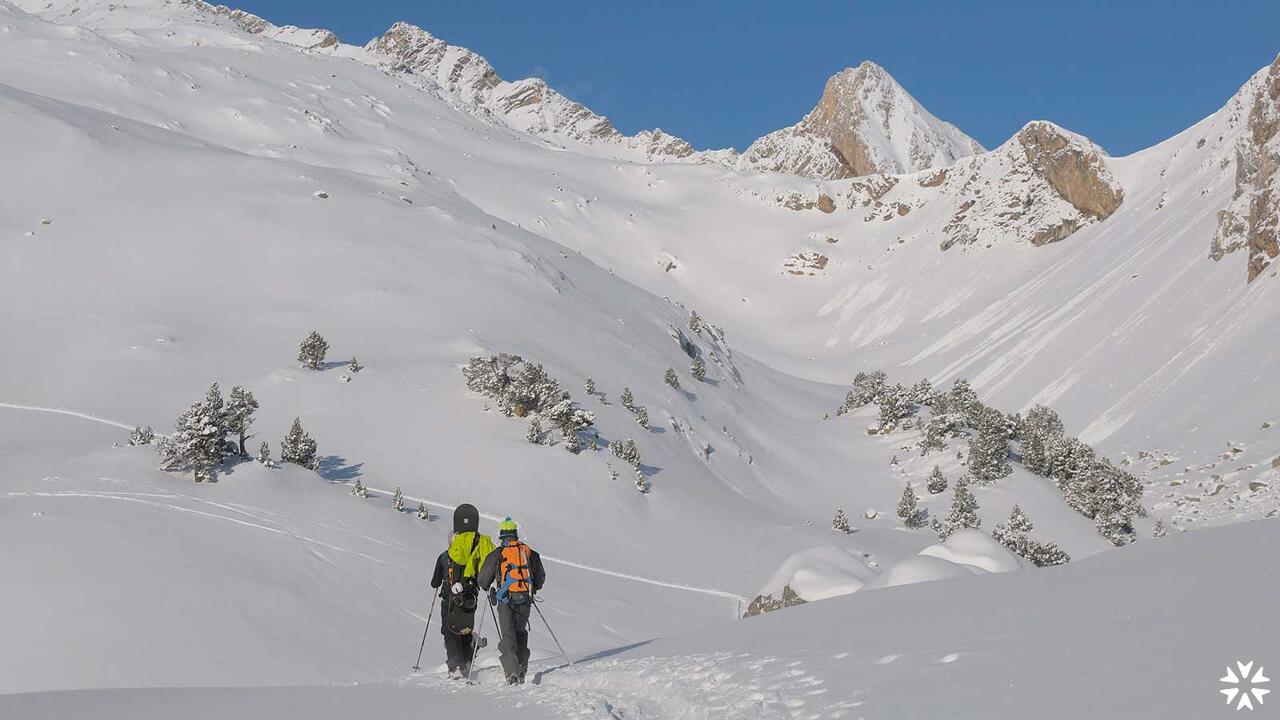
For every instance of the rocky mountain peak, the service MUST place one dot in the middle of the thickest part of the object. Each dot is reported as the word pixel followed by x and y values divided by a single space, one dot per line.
pixel 864 123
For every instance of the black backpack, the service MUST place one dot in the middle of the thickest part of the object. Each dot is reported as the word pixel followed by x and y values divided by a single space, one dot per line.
pixel 461 606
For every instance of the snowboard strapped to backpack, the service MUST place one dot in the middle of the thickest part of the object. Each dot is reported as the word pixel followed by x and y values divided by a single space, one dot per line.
pixel 461 606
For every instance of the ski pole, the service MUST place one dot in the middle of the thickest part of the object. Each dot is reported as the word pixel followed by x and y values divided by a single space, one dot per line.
pixel 476 640
pixel 430 613
pixel 553 633
pixel 494 614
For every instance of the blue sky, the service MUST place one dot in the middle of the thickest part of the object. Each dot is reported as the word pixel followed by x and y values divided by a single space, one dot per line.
pixel 1125 73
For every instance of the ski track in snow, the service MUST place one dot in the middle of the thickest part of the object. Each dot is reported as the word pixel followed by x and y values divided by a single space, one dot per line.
pixel 739 601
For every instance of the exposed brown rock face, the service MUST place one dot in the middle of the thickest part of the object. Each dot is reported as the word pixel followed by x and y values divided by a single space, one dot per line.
pixel 768 603
pixel 1253 217
pixel 1075 173
pixel 1041 186
pixel 864 123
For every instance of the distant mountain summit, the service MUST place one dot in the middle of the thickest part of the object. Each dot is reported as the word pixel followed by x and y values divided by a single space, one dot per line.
pixel 864 124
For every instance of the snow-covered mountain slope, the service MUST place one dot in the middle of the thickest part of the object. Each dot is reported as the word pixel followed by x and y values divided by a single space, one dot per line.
pixel 1143 633
pixel 864 124
pixel 193 196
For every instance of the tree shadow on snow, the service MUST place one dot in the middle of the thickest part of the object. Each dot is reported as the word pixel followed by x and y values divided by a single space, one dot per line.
pixel 335 469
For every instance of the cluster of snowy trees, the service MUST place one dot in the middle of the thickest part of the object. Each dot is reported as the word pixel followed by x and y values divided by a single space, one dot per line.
pixel 1090 484
pixel 1015 534
pixel 214 430
pixel 524 389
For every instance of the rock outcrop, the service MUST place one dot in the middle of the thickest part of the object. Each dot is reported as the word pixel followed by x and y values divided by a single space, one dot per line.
pixel 1040 187
pixel 864 123
pixel 254 25
pixel 1252 219
pixel 768 603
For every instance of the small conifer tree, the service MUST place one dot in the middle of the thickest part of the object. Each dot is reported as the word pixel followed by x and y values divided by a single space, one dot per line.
pixel 937 483
pixel 534 434
pixel 264 454
pixel 671 378
pixel 642 417
pixel 695 322
pixel 312 350
pixel 359 490
pixel 298 447
pixel 590 386
pixel 840 523
pixel 697 369
pixel 397 500
pixel 142 436
pixel 908 508
pixel 422 513
pixel 627 400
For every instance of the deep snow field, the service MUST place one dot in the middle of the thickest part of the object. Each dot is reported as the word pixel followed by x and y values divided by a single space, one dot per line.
pixel 181 202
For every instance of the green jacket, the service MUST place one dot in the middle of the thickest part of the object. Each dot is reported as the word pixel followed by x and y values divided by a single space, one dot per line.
pixel 469 552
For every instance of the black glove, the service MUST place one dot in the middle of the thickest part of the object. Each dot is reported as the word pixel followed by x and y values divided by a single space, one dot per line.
pixel 493 597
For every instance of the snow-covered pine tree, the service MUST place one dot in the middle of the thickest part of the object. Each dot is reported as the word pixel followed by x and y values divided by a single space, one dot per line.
pixel 264 454
pixel 312 349
pixel 642 417
pixel 532 391
pixel 423 513
pixel 534 433
pixel 1015 534
pixel 1040 427
pixel 921 392
pixel 961 398
pixel 198 438
pixel 491 376
pixel 937 482
pixel 670 378
pixel 354 366
pixel 642 483
pixel 142 435
pixel 695 322
pixel 573 443
pixel 1012 533
pixel 867 387
pixel 298 447
pixel 989 448
pixel 240 409
pixel 568 419
pixel 964 510
pixel 626 451
pixel 359 490
pixel 697 369
pixel 613 474
pixel 909 510
pixel 1159 530
pixel 1112 498
pixel 895 404
pixel 840 523
pixel 589 386
pixel 397 500
pixel 627 400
